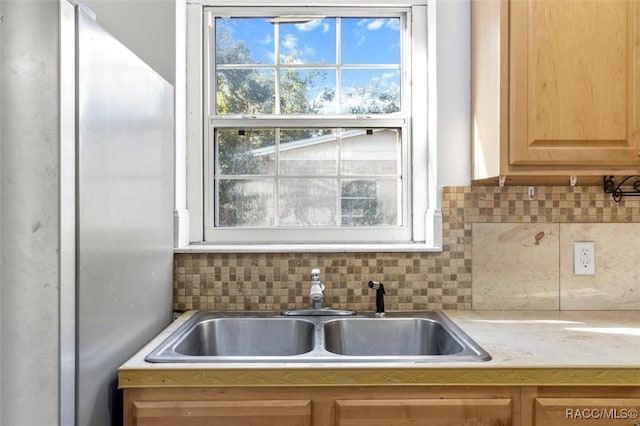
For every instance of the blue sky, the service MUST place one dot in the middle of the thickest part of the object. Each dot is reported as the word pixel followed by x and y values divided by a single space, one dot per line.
pixel 364 40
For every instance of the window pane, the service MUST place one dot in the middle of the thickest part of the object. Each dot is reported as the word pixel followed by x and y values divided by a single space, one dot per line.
pixel 244 41
pixel 370 152
pixel 311 42
pixel 246 152
pixel 370 202
pixel 243 203
pixel 370 91
pixel 308 152
pixel 308 202
pixel 370 40
pixel 307 91
pixel 245 91
pixel 312 156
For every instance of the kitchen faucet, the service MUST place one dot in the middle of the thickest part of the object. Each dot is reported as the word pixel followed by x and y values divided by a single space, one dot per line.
pixel 316 293
pixel 318 308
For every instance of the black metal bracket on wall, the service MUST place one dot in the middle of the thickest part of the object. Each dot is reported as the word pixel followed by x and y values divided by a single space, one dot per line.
pixel 629 186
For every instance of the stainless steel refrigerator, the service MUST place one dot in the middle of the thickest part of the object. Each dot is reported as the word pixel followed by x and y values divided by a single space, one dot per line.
pixel 117 126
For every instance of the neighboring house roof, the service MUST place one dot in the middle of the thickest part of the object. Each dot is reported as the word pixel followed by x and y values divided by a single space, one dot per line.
pixel 303 143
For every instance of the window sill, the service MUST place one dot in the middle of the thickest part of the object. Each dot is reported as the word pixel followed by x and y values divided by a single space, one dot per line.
pixel 308 248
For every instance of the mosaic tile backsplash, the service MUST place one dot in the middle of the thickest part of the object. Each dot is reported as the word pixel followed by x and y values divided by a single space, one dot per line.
pixel 413 281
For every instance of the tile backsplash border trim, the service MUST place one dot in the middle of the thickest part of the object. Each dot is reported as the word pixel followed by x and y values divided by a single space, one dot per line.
pixel 413 281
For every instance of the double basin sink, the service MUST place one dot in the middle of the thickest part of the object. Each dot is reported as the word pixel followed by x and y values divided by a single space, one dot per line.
pixel 258 337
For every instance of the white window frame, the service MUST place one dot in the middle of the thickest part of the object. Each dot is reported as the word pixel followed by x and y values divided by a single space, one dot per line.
pixel 425 226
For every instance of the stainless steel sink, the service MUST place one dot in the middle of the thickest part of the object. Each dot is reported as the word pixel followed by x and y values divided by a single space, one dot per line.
pixel 263 337
pixel 247 337
pixel 207 336
pixel 390 337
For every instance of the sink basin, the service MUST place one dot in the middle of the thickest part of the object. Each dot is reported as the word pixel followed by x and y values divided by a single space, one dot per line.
pixel 389 337
pixel 241 339
pixel 262 337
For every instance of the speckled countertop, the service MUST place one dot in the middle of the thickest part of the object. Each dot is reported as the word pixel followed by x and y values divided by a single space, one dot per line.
pixel 527 348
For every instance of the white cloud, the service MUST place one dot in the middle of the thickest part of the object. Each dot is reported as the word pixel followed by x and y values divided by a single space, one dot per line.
pixel 389 75
pixel 290 41
pixel 309 51
pixel 296 54
pixel 310 25
pixel 393 24
pixel 268 39
pixel 376 24
pixel 270 56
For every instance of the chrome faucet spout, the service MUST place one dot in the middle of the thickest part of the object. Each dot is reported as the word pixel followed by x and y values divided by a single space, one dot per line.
pixel 316 293
pixel 317 304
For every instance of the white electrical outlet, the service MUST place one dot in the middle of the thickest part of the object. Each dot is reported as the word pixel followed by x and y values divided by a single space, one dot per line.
pixel 584 258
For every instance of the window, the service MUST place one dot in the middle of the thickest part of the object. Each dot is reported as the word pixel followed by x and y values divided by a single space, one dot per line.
pixel 309 126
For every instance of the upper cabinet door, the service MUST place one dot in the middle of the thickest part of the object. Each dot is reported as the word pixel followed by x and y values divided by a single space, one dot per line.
pixel 574 77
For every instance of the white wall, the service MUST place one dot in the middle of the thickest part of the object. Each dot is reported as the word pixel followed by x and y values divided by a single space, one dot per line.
pixel 453 56
pixel 155 30
pixel 146 27
pixel 29 223
pixel 181 214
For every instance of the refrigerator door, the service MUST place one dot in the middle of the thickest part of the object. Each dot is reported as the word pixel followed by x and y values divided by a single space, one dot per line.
pixel 124 215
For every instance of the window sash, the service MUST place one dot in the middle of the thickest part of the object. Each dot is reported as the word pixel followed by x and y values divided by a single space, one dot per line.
pixel 289 234
pixel 403 13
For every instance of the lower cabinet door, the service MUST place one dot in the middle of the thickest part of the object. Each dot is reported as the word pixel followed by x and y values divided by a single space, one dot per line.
pixel 432 412
pixel 223 413
pixel 586 411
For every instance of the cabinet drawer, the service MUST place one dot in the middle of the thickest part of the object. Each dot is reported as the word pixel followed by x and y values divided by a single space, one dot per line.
pixel 227 413
pixel 586 411
pixel 434 412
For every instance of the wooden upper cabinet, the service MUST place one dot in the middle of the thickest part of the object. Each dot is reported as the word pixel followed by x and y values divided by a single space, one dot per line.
pixel 574 82
pixel 562 79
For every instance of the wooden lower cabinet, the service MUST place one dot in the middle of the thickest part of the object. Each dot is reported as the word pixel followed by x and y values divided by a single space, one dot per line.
pixel 587 411
pixel 600 406
pixel 433 412
pixel 323 406
pixel 227 413
pixel 384 406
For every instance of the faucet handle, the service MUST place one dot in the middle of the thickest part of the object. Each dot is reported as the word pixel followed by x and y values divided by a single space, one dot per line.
pixel 315 279
pixel 376 286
